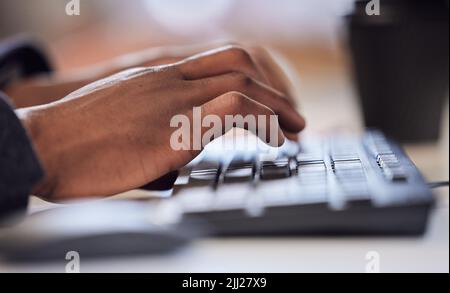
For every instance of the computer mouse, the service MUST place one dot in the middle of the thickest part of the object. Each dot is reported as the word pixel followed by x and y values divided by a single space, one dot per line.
pixel 95 229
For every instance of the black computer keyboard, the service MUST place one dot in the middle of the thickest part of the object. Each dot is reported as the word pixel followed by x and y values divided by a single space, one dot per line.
pixel 339 185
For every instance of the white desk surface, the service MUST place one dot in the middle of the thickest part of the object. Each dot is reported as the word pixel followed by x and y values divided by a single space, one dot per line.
pixel 299 254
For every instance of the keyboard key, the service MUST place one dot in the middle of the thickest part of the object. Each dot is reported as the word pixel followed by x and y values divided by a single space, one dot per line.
pixel 390 165
pixel 203 177
pixel 272 173
pixel 311 170
pixel 345 158
pixel 388 161
pixel 347 165
pixel 279 162
pixel 239 163
pixel 203 174
pixel 350 172
pixel 302 160
pixel 275 170
pixel 395 174
pixel 312 174
pixel 386 157
pixel 309 158
pixel 315 167
pixel 378 145
pixel 196 201
pixel 230 200
pixel 351 176
pixel 206 166
pixel 239 175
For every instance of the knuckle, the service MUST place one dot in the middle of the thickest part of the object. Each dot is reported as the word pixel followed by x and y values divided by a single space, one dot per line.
pixel 180 70
pixel 258 51
pixel 236 100
pixel 177 68
pixel 270 112
pixel 242 80
pixel 266 111
pixel 284 100
pixel 242 55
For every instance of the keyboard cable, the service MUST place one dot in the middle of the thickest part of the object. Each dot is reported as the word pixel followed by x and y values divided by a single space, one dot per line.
pixel 438 184
pixel 442 202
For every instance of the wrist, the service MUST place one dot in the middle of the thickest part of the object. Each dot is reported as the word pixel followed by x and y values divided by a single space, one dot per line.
pixel 33 121
pixel 44 90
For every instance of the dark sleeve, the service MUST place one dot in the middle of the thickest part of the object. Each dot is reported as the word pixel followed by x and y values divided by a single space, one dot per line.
pixel 20 169
pixel 20 57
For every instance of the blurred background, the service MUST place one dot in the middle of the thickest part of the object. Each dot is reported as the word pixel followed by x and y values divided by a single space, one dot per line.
pixel 115 26
pixel 309 36
pixel 306 33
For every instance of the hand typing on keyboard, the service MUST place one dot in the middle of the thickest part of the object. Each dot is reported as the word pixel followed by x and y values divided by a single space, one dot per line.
pixel 114 135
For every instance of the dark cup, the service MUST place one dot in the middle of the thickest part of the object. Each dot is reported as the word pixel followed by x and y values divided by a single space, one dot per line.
pixel 401 61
